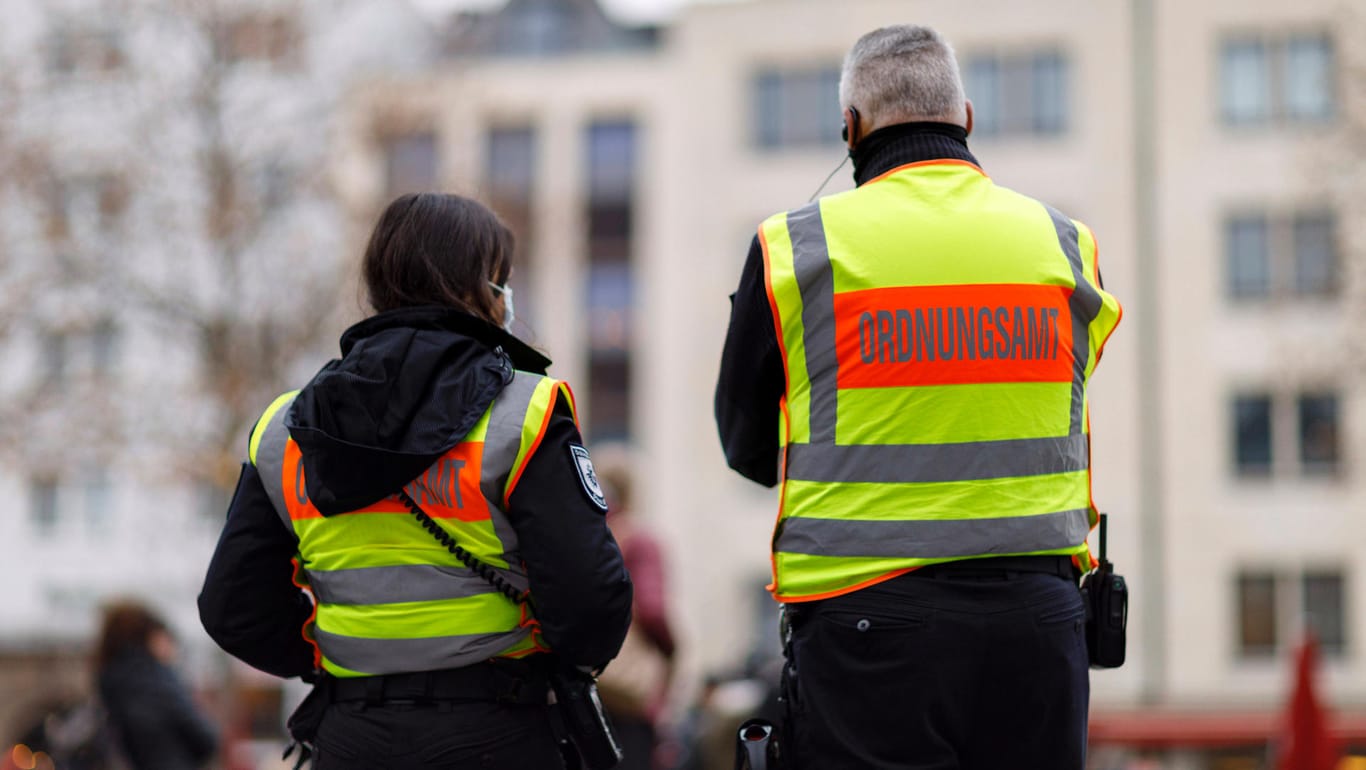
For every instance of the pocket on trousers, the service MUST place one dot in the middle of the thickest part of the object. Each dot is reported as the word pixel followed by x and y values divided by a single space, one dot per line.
pixel 1057 616
pixel 1060 604
pixel 866 622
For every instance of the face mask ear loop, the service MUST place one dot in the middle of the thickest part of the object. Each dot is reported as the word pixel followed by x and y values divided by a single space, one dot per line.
pixel 509 314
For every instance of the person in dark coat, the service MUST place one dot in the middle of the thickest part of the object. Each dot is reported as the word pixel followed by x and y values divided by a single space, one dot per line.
pixel 436 434
pixel 154 719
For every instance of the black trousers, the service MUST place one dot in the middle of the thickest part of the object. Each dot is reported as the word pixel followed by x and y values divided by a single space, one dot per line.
pixel 436 736
pixel 957 671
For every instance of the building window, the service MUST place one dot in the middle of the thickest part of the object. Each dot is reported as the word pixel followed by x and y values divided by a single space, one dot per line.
pixel 1246 82
pixel 1252 435
pixel 611 185
pixel 97 496
pixel 1018 94
pixel 1314 251
pixel 1257 635
pixel 86 209
pixel 1263 441
pixel 55 354
pixel 509 177
pixel 77 47
pixel 1308 81
pixel 611 280
pixel 79 353
pixel 538 29
pixel 1248 261
pixel 1276 607
pixel 42 493
pixel 410 164
pixel 797 107
pixel 1281 79
pixel 1324 608
pixel 1318 432
pixel 270 39
pixel 1281 255
pixel 273 182
pixel 1048 96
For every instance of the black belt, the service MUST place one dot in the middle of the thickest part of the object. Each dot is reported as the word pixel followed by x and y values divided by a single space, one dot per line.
pixel 998 567
pixel 503 681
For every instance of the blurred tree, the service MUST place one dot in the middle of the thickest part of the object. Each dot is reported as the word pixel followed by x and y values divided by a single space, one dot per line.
pixel 171 249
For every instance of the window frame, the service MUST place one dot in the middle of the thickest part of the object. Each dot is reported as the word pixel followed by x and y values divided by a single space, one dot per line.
pixel 774 89
pixel 1276 46
pixel 1016 77
pixel 1250 468
pixel 1287 589
pixel 1287 461
pixel 1285 254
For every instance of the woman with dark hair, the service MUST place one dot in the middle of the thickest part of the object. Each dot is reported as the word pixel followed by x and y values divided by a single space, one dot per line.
pixel 431 491
pixel 155 722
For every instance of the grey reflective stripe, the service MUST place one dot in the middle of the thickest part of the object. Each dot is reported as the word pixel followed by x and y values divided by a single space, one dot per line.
pixel 1085 305
pixel 915 463
pixel 816 280
pixel 402 583
pixel 504 436
pixel 933 538
pixel 502 441
pixel 270 462
pixel 392 656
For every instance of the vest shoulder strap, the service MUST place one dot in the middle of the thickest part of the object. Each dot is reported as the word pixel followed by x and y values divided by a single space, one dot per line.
pixel 267 452
pixel 525 407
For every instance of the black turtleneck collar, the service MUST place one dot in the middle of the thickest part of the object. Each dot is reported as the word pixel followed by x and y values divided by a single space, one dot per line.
pixel 893 146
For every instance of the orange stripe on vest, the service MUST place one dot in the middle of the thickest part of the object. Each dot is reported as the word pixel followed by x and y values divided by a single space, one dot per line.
pixel 953 335
pixel 448 489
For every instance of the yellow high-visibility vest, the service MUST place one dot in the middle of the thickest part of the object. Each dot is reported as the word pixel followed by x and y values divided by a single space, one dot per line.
pixel 390 598
pixel 937 333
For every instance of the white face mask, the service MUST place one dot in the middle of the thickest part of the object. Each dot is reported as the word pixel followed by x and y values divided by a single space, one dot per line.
pixel 508 315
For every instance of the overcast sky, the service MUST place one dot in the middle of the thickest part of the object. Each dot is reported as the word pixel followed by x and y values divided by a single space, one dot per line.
pixel 630 11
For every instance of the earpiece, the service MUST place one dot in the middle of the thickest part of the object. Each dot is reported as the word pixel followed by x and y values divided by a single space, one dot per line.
pixel 850 134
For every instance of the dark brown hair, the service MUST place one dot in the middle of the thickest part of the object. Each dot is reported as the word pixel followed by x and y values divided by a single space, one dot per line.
pixel 127 625
pixel 437 249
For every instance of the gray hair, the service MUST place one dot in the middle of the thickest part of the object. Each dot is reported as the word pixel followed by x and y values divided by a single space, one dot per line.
pixel 900 74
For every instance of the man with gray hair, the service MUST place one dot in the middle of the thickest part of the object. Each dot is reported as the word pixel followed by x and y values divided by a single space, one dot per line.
pixel 909 360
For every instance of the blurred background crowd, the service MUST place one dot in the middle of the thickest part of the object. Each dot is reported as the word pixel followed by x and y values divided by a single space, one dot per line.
pixel 185 186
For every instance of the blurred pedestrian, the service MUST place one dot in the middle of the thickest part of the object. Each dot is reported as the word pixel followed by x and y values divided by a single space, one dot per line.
pixel 910 360
pixel 155 721
pixel 435 434
pixel 635 689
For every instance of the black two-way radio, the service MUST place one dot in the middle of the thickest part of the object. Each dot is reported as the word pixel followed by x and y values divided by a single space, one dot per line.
pixel 1107 610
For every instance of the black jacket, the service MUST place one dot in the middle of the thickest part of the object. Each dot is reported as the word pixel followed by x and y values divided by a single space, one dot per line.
pixel 752 380
pixel 409 386
pixel 156 722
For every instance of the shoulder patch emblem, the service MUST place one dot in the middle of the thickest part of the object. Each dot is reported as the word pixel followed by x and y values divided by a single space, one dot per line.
pixel 588 476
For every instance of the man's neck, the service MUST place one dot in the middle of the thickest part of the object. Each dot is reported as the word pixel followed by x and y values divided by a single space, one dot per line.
pixel 897 145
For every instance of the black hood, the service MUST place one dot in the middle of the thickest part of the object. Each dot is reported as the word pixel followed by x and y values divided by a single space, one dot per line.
pixel 409 385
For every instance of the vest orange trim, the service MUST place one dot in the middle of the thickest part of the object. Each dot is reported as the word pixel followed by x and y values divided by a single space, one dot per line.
pixel 531 451
pixel 309 624
pixel 446 490
pixel 919 163
pixel 839 591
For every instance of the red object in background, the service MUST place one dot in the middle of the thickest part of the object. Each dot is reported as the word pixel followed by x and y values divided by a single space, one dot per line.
pixel 1306 743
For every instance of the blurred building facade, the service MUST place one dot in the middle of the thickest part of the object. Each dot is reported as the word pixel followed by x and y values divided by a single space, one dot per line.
pixel 1204 143
pixel 1209 145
